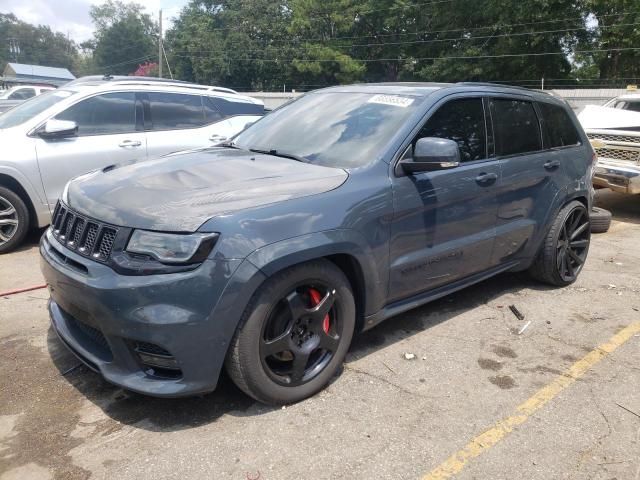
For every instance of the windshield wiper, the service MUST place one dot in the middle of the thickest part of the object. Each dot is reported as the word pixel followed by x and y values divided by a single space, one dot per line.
pixel 277 153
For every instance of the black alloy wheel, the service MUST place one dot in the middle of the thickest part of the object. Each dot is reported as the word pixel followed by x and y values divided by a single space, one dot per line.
pixel 573 244
pixel 301 335
pixel 294 333
pixel 564 250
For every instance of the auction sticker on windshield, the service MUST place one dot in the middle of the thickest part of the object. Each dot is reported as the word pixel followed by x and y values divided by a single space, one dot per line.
pixel 393 100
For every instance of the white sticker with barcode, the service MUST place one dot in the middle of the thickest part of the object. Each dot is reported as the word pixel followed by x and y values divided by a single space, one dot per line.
pixel 393 100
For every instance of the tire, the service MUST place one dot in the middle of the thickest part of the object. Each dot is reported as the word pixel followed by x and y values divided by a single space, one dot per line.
pixel 274 378
pixel 600 220
pixel 12 209
pixel 561 256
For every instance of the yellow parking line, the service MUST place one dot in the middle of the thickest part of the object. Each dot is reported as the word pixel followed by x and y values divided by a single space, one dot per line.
pixel 483 442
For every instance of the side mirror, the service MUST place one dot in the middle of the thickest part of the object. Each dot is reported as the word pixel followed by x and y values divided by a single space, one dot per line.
pixel 432 154
pixel 58 129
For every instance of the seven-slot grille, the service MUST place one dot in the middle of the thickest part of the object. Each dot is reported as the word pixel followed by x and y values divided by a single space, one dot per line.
pixel 83 235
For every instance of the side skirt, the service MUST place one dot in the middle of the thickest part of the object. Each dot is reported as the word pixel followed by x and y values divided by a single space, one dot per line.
pixel 423 298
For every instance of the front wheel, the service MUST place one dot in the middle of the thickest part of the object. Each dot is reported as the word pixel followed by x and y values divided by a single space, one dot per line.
pixel 294 334
pixel 14 220
pixel 565 248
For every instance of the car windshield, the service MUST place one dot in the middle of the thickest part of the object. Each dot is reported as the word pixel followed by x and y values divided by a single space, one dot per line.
pixel 29 109
pixel 334 129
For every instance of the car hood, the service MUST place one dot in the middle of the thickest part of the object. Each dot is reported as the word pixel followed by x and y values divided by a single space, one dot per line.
pixel 594 117
pixel 180 192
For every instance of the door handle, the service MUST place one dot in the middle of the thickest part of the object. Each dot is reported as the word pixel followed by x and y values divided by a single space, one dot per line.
pixel 552 165
pixel 486 178
pixel 129 143
pixel 217 138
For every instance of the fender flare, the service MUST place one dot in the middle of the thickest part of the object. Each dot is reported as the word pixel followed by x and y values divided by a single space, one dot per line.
pixel 278 256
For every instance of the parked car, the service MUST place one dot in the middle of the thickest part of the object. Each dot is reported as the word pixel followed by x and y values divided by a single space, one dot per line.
pixel 93 123
pixel 614 131
pixel 16 95
pixel 345 207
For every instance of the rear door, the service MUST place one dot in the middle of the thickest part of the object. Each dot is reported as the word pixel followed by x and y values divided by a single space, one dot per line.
pixel 444 222
pixel 110 131
pixel 532 176
pixel 178 121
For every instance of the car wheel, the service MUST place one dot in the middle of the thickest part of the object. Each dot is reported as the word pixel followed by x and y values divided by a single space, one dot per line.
pixel 565 248
pixel 294 334
pixel 14 220
pixel 600 220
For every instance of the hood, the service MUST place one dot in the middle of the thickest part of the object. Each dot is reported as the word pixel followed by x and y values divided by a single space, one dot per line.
pixel 179 192
pixel 593 117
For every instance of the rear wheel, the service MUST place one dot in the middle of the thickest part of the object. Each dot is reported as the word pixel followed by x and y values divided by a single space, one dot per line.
pixel 565 248
pixel 14 220
pixel 294 334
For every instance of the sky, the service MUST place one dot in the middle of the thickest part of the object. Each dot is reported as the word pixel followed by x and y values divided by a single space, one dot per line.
pixel 72 16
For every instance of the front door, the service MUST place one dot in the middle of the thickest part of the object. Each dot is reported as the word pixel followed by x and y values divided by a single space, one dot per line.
pixel 110 132
pixel 444 222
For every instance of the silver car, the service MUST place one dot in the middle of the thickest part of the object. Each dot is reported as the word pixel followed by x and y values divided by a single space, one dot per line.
pixel 92 123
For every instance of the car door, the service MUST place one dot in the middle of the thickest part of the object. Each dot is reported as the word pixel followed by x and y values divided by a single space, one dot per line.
pixel 178 121
pixel 110 131
pixel 531 176
pixel 444 222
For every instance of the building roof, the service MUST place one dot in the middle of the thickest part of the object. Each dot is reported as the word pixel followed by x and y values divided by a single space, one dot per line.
pixel 36 71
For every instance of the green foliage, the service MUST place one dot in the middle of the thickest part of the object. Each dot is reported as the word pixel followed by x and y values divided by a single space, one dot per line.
pixel 125 37
pixel 38 44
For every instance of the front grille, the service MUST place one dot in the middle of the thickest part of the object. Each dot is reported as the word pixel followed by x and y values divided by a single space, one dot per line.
pixel 614 138
pixel 85 236
pixel 615 154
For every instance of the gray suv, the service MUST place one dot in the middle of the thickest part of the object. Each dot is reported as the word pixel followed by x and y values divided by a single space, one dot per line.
pixel 94 122
pixel 329 215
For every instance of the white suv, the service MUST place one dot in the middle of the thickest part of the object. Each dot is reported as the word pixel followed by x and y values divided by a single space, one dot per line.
pixel 95 122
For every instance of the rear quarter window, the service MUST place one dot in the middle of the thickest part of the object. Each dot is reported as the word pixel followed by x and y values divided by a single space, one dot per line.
pixel 516 127
pixel 230 108
pixel 559 129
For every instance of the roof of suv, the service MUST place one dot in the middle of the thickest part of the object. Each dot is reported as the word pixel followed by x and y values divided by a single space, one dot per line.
pixel 427 88
pixel 108 83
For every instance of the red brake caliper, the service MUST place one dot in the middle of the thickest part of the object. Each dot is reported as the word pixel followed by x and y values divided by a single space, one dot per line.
pixel 315 300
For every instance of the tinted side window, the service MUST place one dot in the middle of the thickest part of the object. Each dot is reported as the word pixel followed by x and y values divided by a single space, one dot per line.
pixel 230 108
pixel 22 94
pixel 111 113
pixel 211 113
pixel 173 111
pixel 516 126
pixel 559 128
pixel 463 122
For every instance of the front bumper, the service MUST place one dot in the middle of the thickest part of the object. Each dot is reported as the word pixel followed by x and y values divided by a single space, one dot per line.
pixel 618 176
pixel 103 317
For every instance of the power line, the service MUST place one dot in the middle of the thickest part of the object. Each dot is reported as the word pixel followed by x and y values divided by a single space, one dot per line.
pixel 415 59
pixel 470 29
pixel 430 41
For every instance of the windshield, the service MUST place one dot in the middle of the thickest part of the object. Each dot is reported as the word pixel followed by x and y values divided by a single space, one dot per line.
pixel 29 109
pixel 334 129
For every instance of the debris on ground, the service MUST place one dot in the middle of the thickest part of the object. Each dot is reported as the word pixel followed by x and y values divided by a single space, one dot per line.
pixel 628 410
pixel 409 356
pixel 611 286
pixel 516 312
pixel 389 368
pixel 524 328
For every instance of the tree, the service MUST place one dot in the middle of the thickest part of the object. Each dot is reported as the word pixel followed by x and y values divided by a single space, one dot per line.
pixel 39 45
pixel 125 36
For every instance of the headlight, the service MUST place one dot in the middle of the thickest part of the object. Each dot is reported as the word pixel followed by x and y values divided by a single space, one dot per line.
pixel 172 248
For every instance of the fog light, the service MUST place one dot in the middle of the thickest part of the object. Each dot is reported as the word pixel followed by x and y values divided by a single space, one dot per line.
pixel 158 361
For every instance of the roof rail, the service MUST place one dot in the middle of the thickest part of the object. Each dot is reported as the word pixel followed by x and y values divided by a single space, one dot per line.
pixel 131 80
pixel 491 84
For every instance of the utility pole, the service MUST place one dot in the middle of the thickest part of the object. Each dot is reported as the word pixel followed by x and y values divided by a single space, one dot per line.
pixel 160 48
pixel 542 83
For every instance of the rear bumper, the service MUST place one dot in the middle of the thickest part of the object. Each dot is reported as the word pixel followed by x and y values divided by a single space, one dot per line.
pixel 616 176
pixel 104 318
